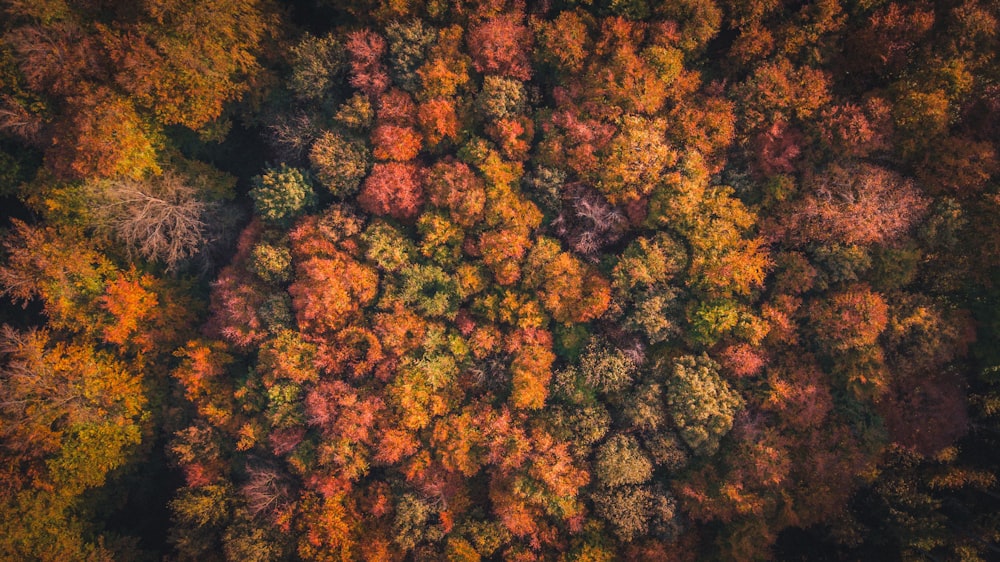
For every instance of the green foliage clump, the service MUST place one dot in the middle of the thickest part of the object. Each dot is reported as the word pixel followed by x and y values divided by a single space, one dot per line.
pixel 701 404
pixel 387 247
pixel 607 369
pixel 636 510
pixel 339 163
pixel 621 460
pixel 408 44
pixel 501 98
pixel 355 113
pixel 317 66
pixel 282 194
pixel 271 263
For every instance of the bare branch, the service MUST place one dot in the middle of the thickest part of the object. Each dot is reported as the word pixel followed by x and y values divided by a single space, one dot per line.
pixel 161 220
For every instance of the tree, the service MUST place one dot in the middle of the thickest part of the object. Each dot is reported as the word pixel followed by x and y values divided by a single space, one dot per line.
pixel 103 136
pixel 699 22
pixel 513 135
pixel 438 120
pixel 339 163
pixel 779 89
pixel 633 511
pixel 569 289
pixel 530 368
pixel 329 291
pixel 441 238
pixel 317 64
pixel 454 186
pixel 164 219
pixel 184 62
pixel 396 107
pixel 850 319
pixel 70 416
pixel 564 42
pixel 287 356
pixel 60 269
pixel 626 77
pixel 893 31
pixel 855 130
pixel 281 194
pixel 271 263
pixel 236 301
pixel 408 45
pixel 643 277
pixel 620 461
pixel 394 189
pixel 447 67
pixel 201 513
pixel 500 98
pixel 267 491
pixel 702 406
pixel 500 45
pixel 387 247
pixel 47 383
pixel 430 290
pixel 355 113
pixel 391 142
pixel 368 73
pixel 129 303
pixel 203 374
pixel 607 369
pixel 861 204
pixel 634 160
pixel 56 57
pixel 411 523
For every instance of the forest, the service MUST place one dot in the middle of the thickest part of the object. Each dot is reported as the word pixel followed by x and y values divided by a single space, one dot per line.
pixel 499 280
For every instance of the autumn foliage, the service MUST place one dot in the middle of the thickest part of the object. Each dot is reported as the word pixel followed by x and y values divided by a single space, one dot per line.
pixel 505 280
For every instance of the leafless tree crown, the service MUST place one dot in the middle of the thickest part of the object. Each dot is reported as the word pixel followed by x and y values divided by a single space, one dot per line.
pixel 162 219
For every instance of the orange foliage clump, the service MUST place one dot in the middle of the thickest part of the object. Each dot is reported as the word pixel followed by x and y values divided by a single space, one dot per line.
pixel 329 291
pixel 130 304
pixel 394 189
pixel 390 142
pixel 852 318
pixel 501 45
pixel 438 120
pixel 531 368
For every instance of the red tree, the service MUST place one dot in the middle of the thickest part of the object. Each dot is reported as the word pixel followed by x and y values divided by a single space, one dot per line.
pixel 394 189
pixel 862 204
pixel 454 186
pixel 850 319
pixel 368 73
pixel 391 142
pixel 501 45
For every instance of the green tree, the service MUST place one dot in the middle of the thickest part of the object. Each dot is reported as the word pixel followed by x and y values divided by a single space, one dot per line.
pixel 409 43
pixel 339 163
pixel 701 404
pixel 620 460
pixel 281 194
pixel 318 65
pixel 501 98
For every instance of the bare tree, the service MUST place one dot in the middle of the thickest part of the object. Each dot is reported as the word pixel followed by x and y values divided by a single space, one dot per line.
pixel 292 135
pixel 266 490
pixel 17 120
pixel 163 219
pixel 587 222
